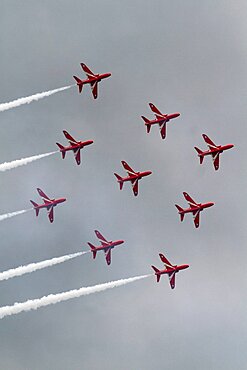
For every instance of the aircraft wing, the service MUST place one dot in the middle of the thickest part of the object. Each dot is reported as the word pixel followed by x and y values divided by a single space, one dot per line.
pixel 94 88
pixel 163 130
pixel 196 216
pixel 172 276
pixel 156 111
pixel 101 237
pixel 209 142
pixel 165 261
pixel 51 214
pixel 216 160
pixel 45 198
pixel 135 187
pixel 128 168
pixel 88 72
pixel 77 154
pixel 70 139
pixel 108 256
pixel 191 202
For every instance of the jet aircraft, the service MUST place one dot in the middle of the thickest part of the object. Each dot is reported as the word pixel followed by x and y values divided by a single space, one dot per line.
pixel 170 270
pixel 75 146
pixel 161 119
pixel 92 79
pixel 214 151
pixel 133 177
pixel 195 209
pixel 49 204
pixel 105 246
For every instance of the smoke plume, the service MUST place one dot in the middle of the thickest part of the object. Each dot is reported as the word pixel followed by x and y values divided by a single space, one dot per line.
pixel 34 304
pixel 22 162
pixel 30 99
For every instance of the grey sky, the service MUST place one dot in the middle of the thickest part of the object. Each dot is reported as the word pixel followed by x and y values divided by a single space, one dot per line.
pixel 186 56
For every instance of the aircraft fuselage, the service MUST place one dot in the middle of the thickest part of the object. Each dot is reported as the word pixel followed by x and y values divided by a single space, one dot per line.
pixel 138 175
pixel 79 145
pixel 53 203
pixel 219 149
pixel 109 245
pixel 164 119
pixel 199 207
pixel 171 270
pixel 97 78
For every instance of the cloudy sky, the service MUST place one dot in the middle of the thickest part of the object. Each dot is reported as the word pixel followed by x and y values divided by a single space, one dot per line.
pixel 187 56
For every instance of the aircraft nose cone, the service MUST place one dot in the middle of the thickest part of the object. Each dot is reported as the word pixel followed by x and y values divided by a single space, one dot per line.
pixel 63 200
pixel 210 204
pixel 148 173
pixel 183 267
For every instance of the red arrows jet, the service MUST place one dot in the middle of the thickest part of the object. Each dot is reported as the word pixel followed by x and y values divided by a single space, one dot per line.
pixel 214 151
pixel 170 270
pixel 105 246
pixel 133 177
pixel 195 209
pixel 161 120
pixel 49 204
pixel 76 146
pixel 92 79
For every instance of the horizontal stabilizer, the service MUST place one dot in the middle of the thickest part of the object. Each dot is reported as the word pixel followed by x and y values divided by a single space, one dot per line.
pixel 180 211
pixel 35 207
pixel 120 180
pixel 146 123
pixel 199 151
pixel 156 273
pixel 79 83
pixel 61 147
pixel 93 249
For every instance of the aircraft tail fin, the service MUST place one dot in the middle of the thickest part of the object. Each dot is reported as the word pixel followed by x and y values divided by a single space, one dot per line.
pixel 199 151
pixel 156 273
pixel 120 180
pixel 180 211
pixel 35 205
pixel 61 147
pixel 146 123
pixel 93 249
pixel 79 83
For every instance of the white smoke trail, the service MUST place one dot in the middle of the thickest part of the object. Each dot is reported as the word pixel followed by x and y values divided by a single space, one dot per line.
pixel 12 214
pixel 31 267
pixel 29 99
pixel 21 162
pixel 34 304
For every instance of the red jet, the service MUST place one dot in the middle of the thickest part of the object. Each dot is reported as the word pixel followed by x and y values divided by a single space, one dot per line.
pixel 133 177
pixel 76 146
pixel 214 151
pixel 105 246
pixel 92 79
pixel 161 120
pixel 195 209
pixel 49 204
pixel 170 270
